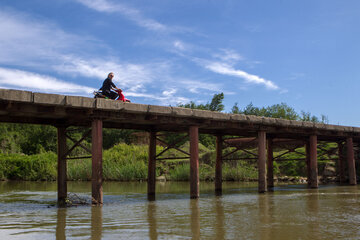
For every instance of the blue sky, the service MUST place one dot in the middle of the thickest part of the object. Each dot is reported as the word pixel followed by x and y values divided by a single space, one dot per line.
pixel 304 53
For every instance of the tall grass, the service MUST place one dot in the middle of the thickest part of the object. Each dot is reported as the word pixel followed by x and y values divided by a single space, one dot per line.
pixel 31 168
pixel 127 163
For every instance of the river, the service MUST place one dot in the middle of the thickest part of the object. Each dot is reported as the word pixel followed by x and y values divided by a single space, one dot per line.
pixel 27 211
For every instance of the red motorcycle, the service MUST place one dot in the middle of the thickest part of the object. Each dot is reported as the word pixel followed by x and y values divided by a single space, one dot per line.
pixel 121 97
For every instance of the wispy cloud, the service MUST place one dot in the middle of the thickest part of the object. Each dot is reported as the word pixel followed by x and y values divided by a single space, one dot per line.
pixel 14 78
pixel 132 14
pixel 228 55
pixel 223 62
pixel 28 41
pixel 225 69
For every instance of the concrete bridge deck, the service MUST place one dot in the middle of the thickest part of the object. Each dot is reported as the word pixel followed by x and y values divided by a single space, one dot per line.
pixel 64 111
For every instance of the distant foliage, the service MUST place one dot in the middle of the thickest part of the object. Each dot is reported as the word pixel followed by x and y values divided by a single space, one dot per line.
pixel 281 110
pixel 214 105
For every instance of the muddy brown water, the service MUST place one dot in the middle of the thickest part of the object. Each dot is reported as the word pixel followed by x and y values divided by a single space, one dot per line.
pixel 290 212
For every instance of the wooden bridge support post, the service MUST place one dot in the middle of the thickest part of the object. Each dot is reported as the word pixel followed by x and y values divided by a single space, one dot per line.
pixel 152 166
pixel 218 166
pixel 96 148
pixel 270 164
pixel 262 161
pixel 351 161
pixel 194 161
pixel 61 181
pixel 313 169
pixel 308 172
pixel 341 163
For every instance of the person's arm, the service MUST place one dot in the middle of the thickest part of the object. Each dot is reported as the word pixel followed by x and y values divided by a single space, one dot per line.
pixel 114 87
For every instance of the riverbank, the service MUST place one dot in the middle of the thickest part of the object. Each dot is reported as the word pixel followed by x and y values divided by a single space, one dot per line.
pixel 121 163
pixel 129 162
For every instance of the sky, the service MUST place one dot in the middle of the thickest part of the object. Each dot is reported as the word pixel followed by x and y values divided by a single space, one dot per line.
pixel 302 53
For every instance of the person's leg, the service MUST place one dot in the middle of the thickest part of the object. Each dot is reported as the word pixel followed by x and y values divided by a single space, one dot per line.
pixel 113 95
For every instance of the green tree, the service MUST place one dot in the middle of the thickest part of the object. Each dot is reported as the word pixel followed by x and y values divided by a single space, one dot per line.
pixel 215 104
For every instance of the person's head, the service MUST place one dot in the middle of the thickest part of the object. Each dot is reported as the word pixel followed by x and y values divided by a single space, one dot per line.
pixel 111 75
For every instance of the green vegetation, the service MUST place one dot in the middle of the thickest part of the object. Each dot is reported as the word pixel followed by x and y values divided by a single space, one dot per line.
pixel 28 152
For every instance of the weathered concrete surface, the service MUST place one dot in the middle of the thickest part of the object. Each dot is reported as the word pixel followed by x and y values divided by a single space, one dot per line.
pixel 15 95
pixel 202 113
pixel 220 116
pixel 254 119
pixel 238 117
pixel 108 104
pixel 182 112
pixel 81 102
pixel 49 99
pixel 153 109
pixel 136 108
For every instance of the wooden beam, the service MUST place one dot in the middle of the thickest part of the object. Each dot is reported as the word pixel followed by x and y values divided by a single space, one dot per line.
pixel 270 164
pixel 61 181
pixel 341 164
pixel 262 161
pixel 152 166
pixel 351 161
pixel 313 161
pixel 218 165
pixel 194 161
pixel 97 178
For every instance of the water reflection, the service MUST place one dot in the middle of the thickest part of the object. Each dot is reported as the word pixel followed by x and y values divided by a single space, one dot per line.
pixel 292 212
pixel 265 204
pixel 151 213
pixel 220 219
pixel 312 205
pixel 195 219
pixel 61 224
pixel 96 222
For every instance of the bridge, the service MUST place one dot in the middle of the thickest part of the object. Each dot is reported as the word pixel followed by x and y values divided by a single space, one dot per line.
pixel 240 132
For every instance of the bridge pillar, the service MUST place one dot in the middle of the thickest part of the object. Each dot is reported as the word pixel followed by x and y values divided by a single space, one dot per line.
pixel 194 161
pixel 96 149
pixel 152 166
pixel 61 180
pixel 270 164
pixel 341 163
pixel 218 166
pixel 262 161
pixel 313 169
pixel 351 161
pixel 308 174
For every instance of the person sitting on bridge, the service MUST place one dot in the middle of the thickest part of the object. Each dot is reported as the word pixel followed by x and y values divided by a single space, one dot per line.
pixel 108 85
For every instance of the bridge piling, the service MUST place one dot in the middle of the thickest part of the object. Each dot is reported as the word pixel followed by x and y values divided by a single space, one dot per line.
pixel 152 166
pixel 218 166
pixel 351 161
pixel 61 181
pixel 97 176
pixel 341 163
pixel 194 161
pixel 262 161
pixel 313 169
pixel 270 165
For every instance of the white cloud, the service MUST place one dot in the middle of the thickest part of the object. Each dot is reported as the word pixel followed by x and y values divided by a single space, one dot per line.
pixel 26 41
pixel 164 99
pixel 13 78
pixel 194 86
pixel 228 55
pixel 133 76
pixel 130 13
pixel 225 69
pixel 179 45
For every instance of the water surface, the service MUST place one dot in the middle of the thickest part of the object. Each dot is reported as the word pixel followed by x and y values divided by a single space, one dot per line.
pixel 290 212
